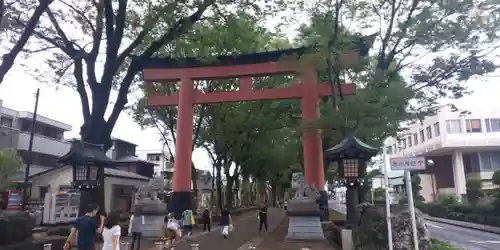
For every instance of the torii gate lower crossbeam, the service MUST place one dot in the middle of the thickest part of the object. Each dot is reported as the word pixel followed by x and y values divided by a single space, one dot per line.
pixel 308 90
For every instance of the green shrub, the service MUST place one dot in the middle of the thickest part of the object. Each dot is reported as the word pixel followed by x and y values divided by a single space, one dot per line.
pixel 14 227
pixel 474 190
pixel 443 245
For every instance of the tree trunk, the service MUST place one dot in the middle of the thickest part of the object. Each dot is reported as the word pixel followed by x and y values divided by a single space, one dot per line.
pixel 194 197
pixel 245 191
pixel 229 193
pixel 237 186
pixel 218 183
pixel 229 184
pixel 274 193
pixel 261 187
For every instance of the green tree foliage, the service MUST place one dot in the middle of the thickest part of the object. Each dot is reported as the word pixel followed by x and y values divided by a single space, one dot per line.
pixel 474 190
pixel 416 186
pixel 495 179
pixel 10 165
pixel 98 47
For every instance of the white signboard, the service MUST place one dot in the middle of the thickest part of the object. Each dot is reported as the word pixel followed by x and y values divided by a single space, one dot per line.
pixel 408 163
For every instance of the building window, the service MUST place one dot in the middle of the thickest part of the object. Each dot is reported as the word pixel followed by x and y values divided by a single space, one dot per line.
pixel 429 132
pixel 490 160
pixel 404 143
pixel 493 125
pixel 453 126
pixel 395 148
pixel 422 135
pixel 415 139
pixel 6 121
pixel 473 125
pixel 410 144
pixel 437 132
pixel 154 157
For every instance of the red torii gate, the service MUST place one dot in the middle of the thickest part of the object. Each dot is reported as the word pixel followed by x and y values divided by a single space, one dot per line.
pixel 243 67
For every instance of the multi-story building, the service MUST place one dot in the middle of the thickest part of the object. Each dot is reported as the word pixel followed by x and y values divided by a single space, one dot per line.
pixel 48 140
pixel 461 144
pixel 160 157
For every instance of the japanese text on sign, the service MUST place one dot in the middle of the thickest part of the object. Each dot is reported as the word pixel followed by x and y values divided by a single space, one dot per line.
pixel 408 163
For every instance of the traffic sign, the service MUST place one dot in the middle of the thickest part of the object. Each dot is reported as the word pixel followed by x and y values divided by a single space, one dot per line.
pixel 408 163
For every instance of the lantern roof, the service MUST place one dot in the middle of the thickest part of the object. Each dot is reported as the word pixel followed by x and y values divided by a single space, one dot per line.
pixel 350 147
pixel 82 153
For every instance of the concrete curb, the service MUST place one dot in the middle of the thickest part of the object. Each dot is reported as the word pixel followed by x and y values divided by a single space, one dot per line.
pixel 475 226
pixel 258 240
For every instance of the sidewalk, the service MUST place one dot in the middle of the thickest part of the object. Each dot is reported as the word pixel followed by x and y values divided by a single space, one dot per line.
pixel 246 228
pixel 276 241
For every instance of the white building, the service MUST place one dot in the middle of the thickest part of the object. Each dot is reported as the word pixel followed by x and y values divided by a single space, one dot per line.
pixel 48 140
pixel 461 145
pixel 159 157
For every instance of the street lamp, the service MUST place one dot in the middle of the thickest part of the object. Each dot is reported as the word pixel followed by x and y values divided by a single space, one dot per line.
pixel 88 162
pixel 86 177
pixel 351 155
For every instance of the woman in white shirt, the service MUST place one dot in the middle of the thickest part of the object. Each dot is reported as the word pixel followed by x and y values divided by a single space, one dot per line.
pixel 111 232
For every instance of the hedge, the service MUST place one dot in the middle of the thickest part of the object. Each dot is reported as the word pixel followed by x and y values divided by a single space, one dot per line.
pixel 481 214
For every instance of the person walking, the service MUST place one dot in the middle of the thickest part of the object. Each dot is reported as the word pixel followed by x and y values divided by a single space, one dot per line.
pixel 172 230
pixel 207 220
pixel 263 218
pixel 187 221
pixel 226 223
pixel 135 227
pixel 86 226
pixel 111 232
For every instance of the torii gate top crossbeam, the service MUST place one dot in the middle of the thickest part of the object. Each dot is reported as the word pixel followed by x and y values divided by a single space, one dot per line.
pixel 223 67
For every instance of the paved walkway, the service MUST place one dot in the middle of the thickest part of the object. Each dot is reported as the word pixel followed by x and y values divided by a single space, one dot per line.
pixel 246 228
pixel 276 241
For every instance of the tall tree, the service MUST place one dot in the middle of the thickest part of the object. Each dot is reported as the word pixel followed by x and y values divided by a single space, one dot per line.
pixel 99 46
pixel 16 31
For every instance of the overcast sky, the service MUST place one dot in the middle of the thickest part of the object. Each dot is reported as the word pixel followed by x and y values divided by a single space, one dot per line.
pixel 63 104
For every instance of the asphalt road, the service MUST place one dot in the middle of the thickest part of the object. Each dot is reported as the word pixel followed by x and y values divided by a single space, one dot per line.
pixel 469 239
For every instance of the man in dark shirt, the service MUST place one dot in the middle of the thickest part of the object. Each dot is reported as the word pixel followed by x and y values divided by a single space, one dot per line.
pixel 263 218
pixel 86 226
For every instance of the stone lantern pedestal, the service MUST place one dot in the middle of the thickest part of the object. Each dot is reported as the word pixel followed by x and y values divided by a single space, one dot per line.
pixel 304 216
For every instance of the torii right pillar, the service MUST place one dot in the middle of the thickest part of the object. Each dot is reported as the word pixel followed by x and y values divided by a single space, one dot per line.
pixel 313 148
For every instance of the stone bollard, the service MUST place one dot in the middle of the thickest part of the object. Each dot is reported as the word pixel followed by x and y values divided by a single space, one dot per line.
pixel 47 246
pixel 195 246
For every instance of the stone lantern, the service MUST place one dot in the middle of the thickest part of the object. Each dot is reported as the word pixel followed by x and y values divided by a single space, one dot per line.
pixel 88 162
pixel 351 156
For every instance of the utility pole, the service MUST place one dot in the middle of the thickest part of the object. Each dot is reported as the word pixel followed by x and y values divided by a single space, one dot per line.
pixel 30 149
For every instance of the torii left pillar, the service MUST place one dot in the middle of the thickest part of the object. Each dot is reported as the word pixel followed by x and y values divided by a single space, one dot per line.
pixel 181 197
pixel 313 148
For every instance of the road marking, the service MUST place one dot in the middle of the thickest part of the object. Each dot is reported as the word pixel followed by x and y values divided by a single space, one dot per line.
pixel 432 225
pixel 485 241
